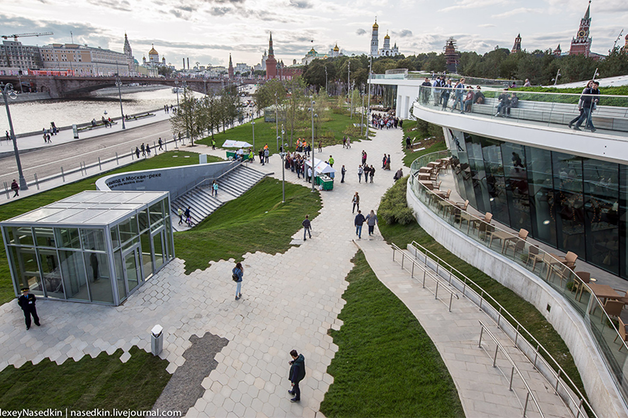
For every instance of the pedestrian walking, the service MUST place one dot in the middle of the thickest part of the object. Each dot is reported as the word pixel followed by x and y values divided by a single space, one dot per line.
pixel 364 157
pixel 356 202
pixel 160 144
pixel 237 275
pixel 296 374
pixel 15 188
pixel 343 170
pixel 143 148
pixel 371 221
pixel 307 227
pixel 348 142
pixel 360 172
pixel 27 303
pixel 137 152
pixel 180 213
pixel 331 161
pixel 6 133
pixel 215 189
pixel 188 216
pixel 213 144
pixel 372 173
pixel 148 149
pixel 266 154
pixel 359 220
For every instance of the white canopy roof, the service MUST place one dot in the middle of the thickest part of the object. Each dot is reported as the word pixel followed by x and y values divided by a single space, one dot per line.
pixel 320 167
pixel 230 143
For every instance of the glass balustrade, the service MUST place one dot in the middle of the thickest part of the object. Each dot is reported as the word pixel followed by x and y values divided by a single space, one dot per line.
pixel 600 314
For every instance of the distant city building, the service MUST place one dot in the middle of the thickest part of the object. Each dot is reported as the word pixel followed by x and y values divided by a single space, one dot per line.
pixel 557 51
pixel 131 62
pixel 83 60
pixel 19 57
pixel 230 70
pixel 386 51
pixel 312 55
pixel 451 56
pixel 517 46
pixel 242 68
pixel 581 44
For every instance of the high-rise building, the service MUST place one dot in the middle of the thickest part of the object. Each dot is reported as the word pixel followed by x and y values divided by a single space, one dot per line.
pixel 517 46
pixel 271 62
pixel 581 44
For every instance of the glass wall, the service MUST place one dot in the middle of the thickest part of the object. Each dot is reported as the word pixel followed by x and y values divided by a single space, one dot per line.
pixel 90 264
pixel 573 203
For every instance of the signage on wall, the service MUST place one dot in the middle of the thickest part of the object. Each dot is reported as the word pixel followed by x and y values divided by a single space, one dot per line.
pixel 130 179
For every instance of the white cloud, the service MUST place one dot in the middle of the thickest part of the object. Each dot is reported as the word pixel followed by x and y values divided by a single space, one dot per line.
pixel 514 12
pixel 474 4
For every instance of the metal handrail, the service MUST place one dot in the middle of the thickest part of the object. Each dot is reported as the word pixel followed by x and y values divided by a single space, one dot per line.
pixel 426 273
pixel 498 347
pixel 186 189
pixel 559 372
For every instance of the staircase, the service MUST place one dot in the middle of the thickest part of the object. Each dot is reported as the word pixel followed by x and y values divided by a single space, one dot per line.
pixel 231 185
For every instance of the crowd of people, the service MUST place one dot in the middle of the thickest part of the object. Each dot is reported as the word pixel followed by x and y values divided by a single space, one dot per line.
pixel 463 96
pixel 381 121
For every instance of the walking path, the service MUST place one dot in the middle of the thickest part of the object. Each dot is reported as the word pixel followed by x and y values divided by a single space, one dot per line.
pixel 290 300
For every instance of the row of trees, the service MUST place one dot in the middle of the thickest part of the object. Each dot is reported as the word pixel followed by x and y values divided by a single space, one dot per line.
pixel 197 116
pixel 540 67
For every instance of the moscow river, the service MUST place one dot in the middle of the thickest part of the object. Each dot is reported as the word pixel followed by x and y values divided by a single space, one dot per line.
pixel 33 116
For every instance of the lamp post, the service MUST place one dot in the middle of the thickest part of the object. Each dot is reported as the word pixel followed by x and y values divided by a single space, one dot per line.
pixel 7 90
pixel 119 85
pixel 283 173
pixel 312 145
pixel 176 88
pixel 362 112
pixel 326 91
pixel 276 123
pixel 253 126
pixel 349 80
pixel 368 105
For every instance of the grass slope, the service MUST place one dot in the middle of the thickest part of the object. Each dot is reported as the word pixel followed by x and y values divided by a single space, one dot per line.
pixel 410 130
pixel 523 311
pixel 386 365
pixel 256 221
pixel 27 204
pixel 103 382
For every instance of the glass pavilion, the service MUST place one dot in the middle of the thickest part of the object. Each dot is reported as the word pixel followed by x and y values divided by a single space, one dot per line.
pixel 96 246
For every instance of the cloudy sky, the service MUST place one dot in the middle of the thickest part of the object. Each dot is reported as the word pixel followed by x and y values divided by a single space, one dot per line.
pixel 207 31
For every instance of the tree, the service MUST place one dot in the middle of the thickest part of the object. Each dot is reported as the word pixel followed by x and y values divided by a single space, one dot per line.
pixel 265 95
pixel 184 121
pixel 296 104
pixel 165 71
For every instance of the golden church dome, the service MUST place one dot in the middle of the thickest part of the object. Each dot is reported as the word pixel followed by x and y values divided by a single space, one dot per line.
pixel 153 51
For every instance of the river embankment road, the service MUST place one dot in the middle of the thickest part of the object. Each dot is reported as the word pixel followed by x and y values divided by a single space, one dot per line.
pixel 48 160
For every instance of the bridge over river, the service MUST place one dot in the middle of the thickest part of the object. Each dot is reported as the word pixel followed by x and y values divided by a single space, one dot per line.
pixel 77 87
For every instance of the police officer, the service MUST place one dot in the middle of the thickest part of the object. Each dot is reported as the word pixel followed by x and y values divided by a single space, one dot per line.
pixel 27 303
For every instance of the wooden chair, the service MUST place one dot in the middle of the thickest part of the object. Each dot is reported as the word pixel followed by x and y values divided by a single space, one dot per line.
pixel 518 241
pixel 533 254
pixel 443 195
pixel 481 224
pixel 623 333
pixel 582 277
pixel 437 186
pixel 613 308
pixel 568 261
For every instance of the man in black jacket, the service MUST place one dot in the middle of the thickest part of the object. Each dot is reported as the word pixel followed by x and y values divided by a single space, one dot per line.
pixel 359 220
pixel 27 303
pixel 296 374
pixel 307 227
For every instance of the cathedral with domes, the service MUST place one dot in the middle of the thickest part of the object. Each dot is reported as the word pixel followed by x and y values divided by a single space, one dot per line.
pixel 386 51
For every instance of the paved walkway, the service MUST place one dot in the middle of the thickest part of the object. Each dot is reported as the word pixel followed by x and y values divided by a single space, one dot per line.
pixel 483 389
pixel 290 300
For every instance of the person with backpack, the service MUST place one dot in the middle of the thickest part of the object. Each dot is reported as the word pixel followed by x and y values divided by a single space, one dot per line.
pixel 237 274
pixel 188 216
pixel 296 374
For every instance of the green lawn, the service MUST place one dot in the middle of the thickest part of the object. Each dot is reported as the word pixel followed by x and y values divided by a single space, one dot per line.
pixel 386 365
pixel 329 130
pixel 256 221
pixel 409 130
pixel 18 207
pixel 103 382
pixel 523 311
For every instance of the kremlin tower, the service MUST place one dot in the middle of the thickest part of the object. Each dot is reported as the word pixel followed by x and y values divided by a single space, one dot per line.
pixel 581 44
pixel 271 62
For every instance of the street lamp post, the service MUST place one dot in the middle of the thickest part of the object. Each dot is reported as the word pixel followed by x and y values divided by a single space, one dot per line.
pixel 312 146
pixel 176 88
pixel 326 89
pixel 362 112
pixel 7 90
pixel 276 123
pixel 349 82
pixel 283 172
pixel 119 85
pixel 253 125
pixel 368 105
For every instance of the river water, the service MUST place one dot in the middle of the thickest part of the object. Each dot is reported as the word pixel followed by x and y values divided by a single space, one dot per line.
pixel 33 116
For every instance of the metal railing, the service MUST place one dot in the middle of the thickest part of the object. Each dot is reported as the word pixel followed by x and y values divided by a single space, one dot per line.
pixel 542 264
pixel 514 368
pixel 523 339
pixel 426 274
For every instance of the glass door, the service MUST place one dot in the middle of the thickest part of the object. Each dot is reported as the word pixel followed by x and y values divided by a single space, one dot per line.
pixel 132 269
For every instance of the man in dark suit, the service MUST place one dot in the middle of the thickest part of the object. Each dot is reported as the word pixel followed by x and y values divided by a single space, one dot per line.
pixel 27 303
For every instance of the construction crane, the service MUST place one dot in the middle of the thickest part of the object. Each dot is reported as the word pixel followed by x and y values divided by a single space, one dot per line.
pixel 24 35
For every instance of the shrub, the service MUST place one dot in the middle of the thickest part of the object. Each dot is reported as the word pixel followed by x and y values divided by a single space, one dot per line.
pixel 394 207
